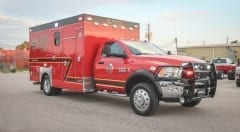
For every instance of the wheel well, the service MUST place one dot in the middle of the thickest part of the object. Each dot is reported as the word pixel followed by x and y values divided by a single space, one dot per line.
pixel 44 74
pixel 139 79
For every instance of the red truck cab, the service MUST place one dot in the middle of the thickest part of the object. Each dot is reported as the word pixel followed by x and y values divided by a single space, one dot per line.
pixel 88 53
pixel 224 66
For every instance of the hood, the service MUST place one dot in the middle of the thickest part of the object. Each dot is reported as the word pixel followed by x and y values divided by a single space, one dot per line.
pixel 168 60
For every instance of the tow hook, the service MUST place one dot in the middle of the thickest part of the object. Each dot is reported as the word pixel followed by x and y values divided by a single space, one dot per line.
pixel 181 100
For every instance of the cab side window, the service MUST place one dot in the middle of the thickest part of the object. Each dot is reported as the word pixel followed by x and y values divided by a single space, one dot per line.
pixel 112 48
pixel 116 49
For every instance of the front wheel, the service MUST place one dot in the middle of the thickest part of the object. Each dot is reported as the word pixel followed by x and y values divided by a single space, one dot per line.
pixel 220 75
pixel 231 76
pixel 191 103
pixel 144 99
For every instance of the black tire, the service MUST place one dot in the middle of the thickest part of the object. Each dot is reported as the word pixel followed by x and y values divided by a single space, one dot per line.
pixel 220 75
pixel 58 91
pixel 191 103
pixel 47 89
pixel 231 76
pixel 237 83
pixel 144 99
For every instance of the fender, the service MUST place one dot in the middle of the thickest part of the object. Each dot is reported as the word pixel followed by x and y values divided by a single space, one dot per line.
pixel 141 76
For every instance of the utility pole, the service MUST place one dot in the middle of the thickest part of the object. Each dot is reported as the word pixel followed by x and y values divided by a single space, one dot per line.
pixel 148 35
pixel 204 42
pixel 176 42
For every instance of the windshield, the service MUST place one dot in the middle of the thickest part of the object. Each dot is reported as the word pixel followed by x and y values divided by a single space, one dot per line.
pixel 143 48
pixel 219 61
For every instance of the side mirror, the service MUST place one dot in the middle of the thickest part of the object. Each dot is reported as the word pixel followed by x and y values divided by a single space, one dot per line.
pixel 169 52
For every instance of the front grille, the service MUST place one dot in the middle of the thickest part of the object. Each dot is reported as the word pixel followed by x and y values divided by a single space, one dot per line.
pixel 205 81
pixel 202 75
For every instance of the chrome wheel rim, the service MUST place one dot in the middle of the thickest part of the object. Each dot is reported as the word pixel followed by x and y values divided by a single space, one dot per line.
pixel 141 100
pixel 46 86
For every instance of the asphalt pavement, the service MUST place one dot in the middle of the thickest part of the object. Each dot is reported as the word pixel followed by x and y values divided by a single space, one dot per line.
pixel 24 108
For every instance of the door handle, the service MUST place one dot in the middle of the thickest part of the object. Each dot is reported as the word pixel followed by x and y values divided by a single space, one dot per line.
pixel 100 62
pixel 78 59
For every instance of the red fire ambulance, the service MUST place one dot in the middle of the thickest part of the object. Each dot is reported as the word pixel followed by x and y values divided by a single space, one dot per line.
pixel 89 53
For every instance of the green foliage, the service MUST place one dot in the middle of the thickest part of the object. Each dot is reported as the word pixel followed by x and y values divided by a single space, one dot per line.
pixel 13 70
pixel 23 45
pixel 22 69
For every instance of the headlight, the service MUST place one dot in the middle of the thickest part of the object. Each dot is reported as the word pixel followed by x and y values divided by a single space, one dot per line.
pixel 170 72
pixel 202 67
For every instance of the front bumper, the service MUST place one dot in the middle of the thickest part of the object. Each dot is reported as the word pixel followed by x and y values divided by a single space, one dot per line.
pixel 176 90
pixel 202 86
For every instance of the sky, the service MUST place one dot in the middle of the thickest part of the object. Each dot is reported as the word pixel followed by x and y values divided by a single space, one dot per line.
pixel 193 22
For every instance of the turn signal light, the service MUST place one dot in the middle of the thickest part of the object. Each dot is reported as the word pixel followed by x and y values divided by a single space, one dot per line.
pixel 188 73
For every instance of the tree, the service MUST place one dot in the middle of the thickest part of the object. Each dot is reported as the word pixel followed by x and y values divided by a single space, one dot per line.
pixel 23 45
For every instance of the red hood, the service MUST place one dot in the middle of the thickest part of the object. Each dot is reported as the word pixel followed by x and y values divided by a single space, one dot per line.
pixel 170 60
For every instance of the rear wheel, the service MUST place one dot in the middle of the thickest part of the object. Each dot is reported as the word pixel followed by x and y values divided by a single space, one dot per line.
pixel 191 103
pixel 231 76
pixel 144 99
pixel 47 89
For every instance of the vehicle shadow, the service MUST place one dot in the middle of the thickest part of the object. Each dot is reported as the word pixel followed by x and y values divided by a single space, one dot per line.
pixel 120 102
pixel 175 109
pixel 97 98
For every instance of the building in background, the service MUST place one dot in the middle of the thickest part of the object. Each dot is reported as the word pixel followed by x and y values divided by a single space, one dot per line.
pixel 207 52
pixel 13 59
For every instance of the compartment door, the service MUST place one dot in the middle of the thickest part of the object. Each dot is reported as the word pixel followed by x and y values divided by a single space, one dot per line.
pixel 72 60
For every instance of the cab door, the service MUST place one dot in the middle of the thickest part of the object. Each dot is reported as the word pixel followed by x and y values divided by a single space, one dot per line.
pixel 112 68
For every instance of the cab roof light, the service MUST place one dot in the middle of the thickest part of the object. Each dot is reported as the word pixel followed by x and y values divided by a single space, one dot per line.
pixel 130 28
pixel 96 23
pixel 105 24
pixel 123 27
pixel 114 26
pixel 80 18
pixel 56 24
pixel 89 18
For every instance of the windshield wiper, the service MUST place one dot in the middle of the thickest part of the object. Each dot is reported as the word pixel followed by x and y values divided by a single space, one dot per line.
pixel 147 54
pixel 137 53
pixel 144 54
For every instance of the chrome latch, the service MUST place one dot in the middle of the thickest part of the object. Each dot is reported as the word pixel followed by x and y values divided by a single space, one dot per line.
pixel 65 63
